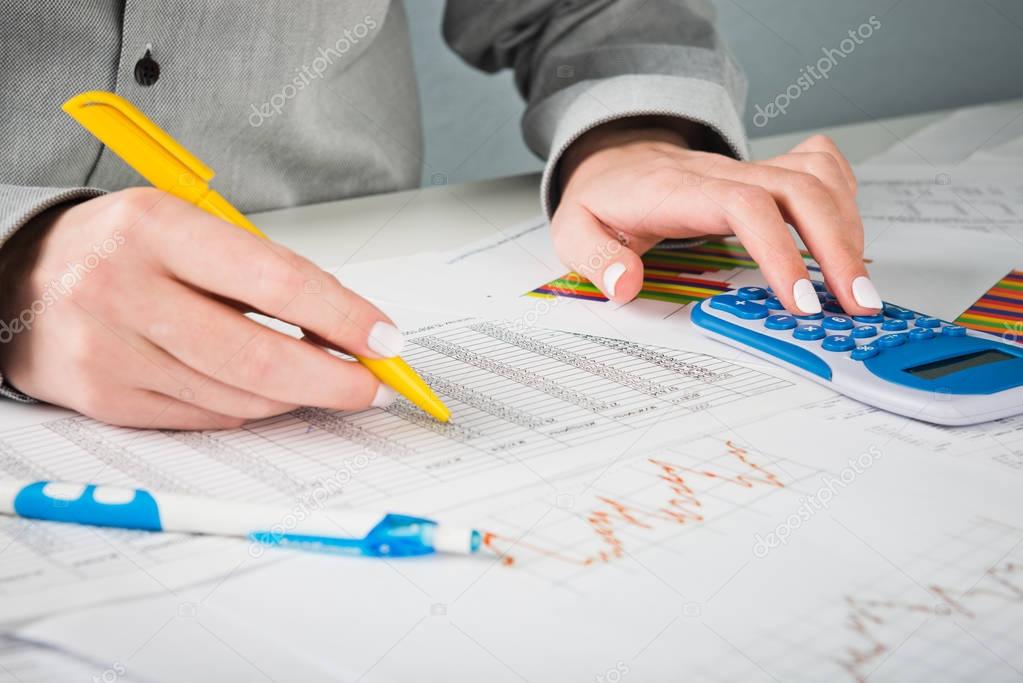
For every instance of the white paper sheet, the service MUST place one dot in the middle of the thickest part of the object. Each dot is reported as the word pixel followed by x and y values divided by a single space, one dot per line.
pixel 959 136
pixel 983 197
pixel 832 542
pixel 1010 152
pixel 528 403
pixel 478 279
pixel 23 661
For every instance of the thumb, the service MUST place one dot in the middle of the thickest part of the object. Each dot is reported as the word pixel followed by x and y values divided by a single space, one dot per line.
pixel 588 246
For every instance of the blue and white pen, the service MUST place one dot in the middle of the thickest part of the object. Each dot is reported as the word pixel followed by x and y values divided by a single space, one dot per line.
pixel 332 531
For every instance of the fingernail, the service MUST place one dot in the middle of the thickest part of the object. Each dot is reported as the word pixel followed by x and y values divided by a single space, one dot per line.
pixel 384 397
pixel 385 339
pixel 865 293
pixel 806 297
pixel 612 274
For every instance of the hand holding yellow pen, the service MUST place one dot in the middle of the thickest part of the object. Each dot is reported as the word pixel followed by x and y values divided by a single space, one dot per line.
pixel 168 166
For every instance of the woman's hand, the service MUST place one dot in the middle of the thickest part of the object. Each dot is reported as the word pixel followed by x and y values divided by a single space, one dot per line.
pixel 129 309
pixel 638 185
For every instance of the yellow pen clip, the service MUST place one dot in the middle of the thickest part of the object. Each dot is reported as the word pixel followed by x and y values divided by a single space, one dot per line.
pixel 156 156
pixel 162 161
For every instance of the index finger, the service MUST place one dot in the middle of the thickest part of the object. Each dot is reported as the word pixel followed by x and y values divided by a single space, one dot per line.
pixel 211 255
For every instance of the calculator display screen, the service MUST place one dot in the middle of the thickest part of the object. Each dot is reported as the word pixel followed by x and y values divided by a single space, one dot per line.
pixel 941 368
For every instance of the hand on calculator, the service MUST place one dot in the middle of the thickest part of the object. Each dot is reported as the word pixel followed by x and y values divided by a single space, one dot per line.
pixel 630 184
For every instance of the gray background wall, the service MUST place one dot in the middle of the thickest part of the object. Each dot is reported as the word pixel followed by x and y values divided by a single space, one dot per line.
pixel 927 54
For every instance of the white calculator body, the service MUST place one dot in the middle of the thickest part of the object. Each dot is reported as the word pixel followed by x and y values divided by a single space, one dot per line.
pixel 899 360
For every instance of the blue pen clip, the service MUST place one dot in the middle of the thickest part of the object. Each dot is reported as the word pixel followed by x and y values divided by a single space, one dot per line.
pixel 394 536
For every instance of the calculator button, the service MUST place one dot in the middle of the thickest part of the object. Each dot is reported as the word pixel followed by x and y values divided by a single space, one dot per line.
pixel 871 319
pixel 747 310
pixel 893 325
pixel 780 322
pixel 809 333
pixel 864 331
pixel 752 293
pixel 954 331
pixel 812 316
pixel 920 334
pixel 832 306
pixel 864 352
pixel 839 342
pixel 925 321
pixel 773 303
pixel 889 340
pixel 898 312
pixel 837 322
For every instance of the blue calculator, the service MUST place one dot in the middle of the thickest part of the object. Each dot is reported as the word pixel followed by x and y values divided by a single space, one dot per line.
pixel 899 360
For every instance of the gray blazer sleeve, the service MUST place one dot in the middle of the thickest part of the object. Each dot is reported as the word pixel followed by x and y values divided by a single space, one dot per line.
pixel 582 63
pixel 19 205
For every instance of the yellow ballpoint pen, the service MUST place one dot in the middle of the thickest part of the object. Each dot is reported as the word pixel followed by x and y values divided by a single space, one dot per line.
pixel 158 158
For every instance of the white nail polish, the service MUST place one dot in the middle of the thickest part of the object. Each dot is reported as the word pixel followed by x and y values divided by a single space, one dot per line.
pixel 385 339
pixel 612 274
pixel 384 397
pixel 865 293
pixel 806 297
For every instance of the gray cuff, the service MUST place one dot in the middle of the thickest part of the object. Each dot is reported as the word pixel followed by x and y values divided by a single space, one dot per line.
pixel 563 117
pixel 19 205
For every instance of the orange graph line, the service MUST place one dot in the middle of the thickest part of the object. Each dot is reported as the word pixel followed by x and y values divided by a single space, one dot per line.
pixel 865 615
pixel 682 506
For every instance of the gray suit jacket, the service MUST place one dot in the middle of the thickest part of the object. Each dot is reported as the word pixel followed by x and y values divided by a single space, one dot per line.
pixel 295 102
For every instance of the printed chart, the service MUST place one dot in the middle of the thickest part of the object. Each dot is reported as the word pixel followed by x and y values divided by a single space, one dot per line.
pixel 522 402
pixel 1000 310
pixel 953 612
pixel 673 276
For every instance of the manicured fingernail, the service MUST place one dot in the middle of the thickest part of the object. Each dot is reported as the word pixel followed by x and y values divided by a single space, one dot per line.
pixel 806 297
pixel 865 293
pixel 384 397
pixel 385 340
pixel 612 274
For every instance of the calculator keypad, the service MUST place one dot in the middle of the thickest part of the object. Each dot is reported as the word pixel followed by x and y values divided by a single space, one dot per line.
pixel 920 334
pixel 837 322
pixel 752 293
pixel 836 332
pixel 839 342
pixel 742 308
pixel 898 312
pixel 809 333
pixel 888 341
pixel 864 352
pixel 780 322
